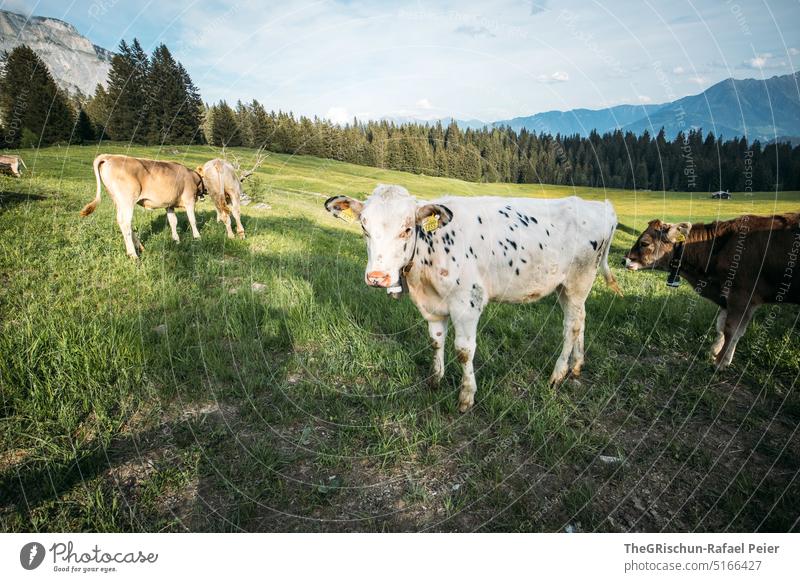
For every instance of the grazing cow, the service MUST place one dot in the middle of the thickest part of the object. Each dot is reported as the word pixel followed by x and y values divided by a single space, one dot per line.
pixel 219 177
pixel 455 255
pixel 738 264
pixel 10 165
pixel 149 183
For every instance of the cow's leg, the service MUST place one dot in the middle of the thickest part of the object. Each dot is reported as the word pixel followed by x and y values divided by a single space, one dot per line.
pixel 716 347
pixel 227 221
pixel 576 358
pixel 437 330
pixel 237 215
pixel 190 215
pixel 466 330
pixel 173 224
pixel 736 322
pixel 574 314
pixel 125 222
pixel 137 243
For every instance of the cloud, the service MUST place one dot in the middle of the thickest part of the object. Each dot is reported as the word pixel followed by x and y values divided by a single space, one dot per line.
pixel 557 77
pixel 764 61
pixel 698 80
pixel 474 31
pixel 678 70
pixel 794 51
pixel 538 6
pixel 338 115
pixel 758 62
pixel 424 104
pixel 644 99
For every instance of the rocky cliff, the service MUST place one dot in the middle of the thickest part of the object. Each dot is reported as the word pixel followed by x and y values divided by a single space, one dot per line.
pixel 73 60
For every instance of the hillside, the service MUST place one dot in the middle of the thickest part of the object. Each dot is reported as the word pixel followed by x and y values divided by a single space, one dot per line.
pixel 260 385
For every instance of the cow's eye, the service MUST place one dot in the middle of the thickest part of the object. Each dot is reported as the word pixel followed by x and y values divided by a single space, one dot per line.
pixel 644 244
pixel 406 233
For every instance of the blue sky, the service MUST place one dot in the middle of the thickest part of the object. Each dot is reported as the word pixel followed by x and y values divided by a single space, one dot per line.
pixel 471 59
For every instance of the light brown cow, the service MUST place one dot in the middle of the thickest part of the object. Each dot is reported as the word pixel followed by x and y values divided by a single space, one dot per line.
pixel 219 178
pixel 149 183
pixel 10 165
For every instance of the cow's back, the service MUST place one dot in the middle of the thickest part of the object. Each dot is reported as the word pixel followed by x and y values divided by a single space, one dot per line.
pixel 522 249
pixel 759 256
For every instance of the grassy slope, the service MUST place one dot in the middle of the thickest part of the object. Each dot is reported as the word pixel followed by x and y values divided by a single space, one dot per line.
pixel 172 394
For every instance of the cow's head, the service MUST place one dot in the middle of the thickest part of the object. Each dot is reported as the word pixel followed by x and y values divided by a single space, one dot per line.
pixel 653 248
pixel 201 186
pixel 389 219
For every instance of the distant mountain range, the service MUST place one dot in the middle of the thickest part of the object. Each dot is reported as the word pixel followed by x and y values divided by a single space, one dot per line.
pixel 73 60
pixel 767 110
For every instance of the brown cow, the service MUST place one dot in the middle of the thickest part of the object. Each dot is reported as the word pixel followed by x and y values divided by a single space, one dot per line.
pixel 149 183
pixel 738 264
pixel 10 165
pixel 219 177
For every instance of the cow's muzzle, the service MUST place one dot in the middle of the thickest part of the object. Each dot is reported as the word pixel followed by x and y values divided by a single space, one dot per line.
pixel 378 279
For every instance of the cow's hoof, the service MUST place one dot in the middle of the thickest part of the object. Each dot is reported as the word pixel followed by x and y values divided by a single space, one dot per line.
pixel 240 235
pixel 434 381
pixel 575 372
pixel 465 402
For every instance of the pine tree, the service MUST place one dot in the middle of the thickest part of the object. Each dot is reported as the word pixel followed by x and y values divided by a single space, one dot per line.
pixel 127 94
pixel 98 109
pixel 225 131
pixel 31 103
pixel 84 129
pixel 174 105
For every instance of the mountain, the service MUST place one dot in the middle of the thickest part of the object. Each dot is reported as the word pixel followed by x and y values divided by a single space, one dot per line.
pixel 73 60
pixel 581 121
pixel 759 109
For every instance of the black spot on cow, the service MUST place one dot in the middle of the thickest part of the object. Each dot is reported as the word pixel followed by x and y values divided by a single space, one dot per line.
pixel 524 261
pixel 504 213
pixel 533 218
pixel 517 271
pixel 482 238
pixel 447 250
pixel 454 259
pixel 479 220
pixel 541 248
pixel 547 231
pixel 594 244
pixel 512 243
pixel 458 281
pixel 472 304
pixel 511 263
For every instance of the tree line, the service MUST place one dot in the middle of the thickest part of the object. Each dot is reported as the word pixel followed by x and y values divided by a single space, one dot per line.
pixel 151 100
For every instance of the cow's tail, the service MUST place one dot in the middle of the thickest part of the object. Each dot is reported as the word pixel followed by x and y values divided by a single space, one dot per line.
pixel 89 208
pixel 604 268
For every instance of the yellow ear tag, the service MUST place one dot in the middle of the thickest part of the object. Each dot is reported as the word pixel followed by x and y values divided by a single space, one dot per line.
pixel 348 215
pixel 680 238
pixel 431 223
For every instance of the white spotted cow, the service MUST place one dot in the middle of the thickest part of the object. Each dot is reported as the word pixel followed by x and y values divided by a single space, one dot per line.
pixel 457 254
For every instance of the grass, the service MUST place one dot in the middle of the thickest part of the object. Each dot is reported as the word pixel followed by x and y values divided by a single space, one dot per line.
pixel 174 394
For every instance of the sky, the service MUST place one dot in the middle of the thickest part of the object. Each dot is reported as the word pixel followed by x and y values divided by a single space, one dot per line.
pixel 486 60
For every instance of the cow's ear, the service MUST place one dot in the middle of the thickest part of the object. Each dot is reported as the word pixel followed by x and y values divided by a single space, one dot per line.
pixel 678 232
pixel 199 170
pixel 433 216
pixel 344 207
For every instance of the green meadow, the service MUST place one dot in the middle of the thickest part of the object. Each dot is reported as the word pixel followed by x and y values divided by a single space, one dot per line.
pixel 259 385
